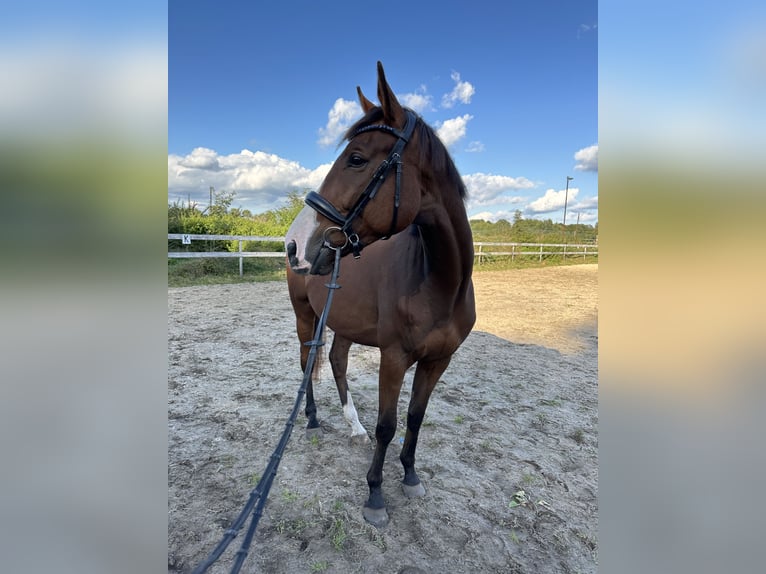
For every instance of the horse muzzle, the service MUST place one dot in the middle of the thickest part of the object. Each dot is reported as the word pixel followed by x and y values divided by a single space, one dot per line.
pixel 293 261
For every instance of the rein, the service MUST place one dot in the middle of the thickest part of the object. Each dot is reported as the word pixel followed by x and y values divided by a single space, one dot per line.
pixel 322 206
pixel 260 493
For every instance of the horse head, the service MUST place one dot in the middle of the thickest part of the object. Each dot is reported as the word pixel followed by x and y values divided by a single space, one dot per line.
pixel 371 192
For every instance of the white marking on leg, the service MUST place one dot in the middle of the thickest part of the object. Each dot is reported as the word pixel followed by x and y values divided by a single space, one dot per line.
pixel 349 412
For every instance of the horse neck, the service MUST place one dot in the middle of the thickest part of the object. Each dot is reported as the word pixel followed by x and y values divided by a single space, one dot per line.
pixel 447 237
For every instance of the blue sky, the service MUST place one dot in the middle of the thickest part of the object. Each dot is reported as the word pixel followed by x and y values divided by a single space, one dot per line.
pixel 259 96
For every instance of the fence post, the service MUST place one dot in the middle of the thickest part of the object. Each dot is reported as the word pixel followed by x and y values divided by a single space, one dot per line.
pixel 565 252
pixel 513 252
pixel 584 253
pixel 480 253
pixel 240 258
pixel 541 252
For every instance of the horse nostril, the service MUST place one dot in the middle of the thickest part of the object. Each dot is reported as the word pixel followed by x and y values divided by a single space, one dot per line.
pixel 292 249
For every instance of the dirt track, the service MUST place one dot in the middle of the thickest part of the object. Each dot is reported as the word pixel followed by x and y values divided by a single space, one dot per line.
pixel 517 410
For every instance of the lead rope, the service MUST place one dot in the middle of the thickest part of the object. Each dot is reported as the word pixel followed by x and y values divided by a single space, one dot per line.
pixel 260 493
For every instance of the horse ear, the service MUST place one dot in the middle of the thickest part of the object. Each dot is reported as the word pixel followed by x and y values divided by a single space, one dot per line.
pixel 393 113
pixel 367 105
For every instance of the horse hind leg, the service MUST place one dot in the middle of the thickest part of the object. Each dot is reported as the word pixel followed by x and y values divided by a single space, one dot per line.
pixel 339 363
pixel 427 374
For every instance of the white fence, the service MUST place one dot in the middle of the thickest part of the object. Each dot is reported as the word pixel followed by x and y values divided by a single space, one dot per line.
pixel 187 238
pixel 506 249
pixel 534 250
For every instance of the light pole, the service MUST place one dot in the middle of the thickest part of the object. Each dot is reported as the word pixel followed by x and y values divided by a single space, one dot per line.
pixel 566 197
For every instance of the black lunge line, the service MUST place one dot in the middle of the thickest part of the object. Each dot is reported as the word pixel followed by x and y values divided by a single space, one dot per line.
pixel 260 493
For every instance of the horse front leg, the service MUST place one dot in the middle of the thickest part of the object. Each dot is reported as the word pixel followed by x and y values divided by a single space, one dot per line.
pixel 427 374
pixel 305 327
pixel 389 385
pixel 339 363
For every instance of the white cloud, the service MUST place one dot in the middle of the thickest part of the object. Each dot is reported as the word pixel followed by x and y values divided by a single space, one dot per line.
pixel 462 92
pixel 494 216
pixel 451 131
pixel 583 29
pixel 583 217
pixel 474 147
pixel 588 203
pixel 552 200
pixel 485 188
pixel 314 178
pixel 587 159
pixel 200 158
pixel 583 211
pixel 420 101
pixel 261 181
pixel 339 119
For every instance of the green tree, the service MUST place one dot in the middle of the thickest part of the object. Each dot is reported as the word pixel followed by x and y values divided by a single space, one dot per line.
pixel 222 201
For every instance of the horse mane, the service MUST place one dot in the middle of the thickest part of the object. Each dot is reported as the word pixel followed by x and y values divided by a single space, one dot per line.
pixel 433 153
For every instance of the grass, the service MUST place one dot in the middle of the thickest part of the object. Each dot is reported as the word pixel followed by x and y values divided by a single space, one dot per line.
pixel 550 402
pixel 527 478
pixel 332 520
pixel 540 421
pixel 503 263
pixel 218 271
pixel 188 272
pixel 289 496
pixel 292 527
pixel 338 534
pixel 578 436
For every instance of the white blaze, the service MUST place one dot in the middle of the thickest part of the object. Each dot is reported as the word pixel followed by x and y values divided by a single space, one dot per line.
pixel 300 231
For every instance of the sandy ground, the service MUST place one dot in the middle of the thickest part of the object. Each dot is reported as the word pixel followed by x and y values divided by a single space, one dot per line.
pixel 508 450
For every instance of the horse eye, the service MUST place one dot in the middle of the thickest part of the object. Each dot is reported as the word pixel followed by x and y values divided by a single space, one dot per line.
pixel 356 160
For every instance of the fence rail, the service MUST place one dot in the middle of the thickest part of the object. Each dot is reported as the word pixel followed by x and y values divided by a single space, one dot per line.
pixel 516 249
pixel 187 238
pixel 535 249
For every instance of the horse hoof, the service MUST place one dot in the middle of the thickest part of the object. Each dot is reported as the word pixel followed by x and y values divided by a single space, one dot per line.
pixel 415 491
pixel 378 517
pixel 314 432
pixel 359 439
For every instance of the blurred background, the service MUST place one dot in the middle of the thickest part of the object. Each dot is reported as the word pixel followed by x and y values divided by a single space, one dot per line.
pixel 682 136
pixel 83 172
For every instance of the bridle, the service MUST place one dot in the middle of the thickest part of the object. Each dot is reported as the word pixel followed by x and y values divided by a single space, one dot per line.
pixel 328 210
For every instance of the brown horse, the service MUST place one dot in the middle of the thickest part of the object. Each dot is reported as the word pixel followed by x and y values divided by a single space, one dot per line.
pixel 411 295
